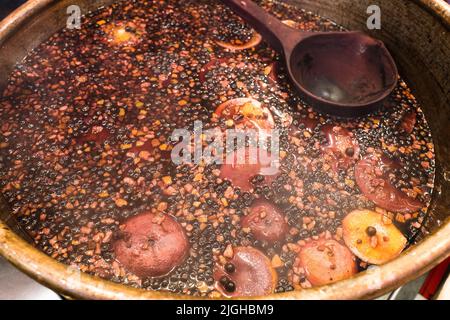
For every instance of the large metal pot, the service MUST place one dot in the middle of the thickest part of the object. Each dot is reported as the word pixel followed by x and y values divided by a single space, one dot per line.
pixel 416 32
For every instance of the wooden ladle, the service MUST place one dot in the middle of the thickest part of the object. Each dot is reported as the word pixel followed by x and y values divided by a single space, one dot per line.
pixel 340 73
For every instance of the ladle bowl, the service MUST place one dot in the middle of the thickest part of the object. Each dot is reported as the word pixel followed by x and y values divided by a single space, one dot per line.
pixel 340 73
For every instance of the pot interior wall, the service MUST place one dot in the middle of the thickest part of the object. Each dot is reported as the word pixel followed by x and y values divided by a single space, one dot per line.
pixel 418 39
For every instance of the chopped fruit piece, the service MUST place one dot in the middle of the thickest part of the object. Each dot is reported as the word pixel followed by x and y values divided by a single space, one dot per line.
pixel 253 274
pixel 121 202
pixel 326 261
pixel 167 180
pixel 370 238
pixel 150 148
pixel 139 147
pixel 266 222
pixel 277 262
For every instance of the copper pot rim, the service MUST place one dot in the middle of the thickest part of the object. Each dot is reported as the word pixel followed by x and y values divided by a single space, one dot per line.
pixel 69 281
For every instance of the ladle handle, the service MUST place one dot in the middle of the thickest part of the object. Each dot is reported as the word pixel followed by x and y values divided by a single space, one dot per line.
pixel 280 36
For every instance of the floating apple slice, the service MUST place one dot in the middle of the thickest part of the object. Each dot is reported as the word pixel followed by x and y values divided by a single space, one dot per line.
pixel 266 222
pixel 374 183
pixel 246 113
pixel 151 245
pixel 371 237
pixel 250 274
pixel 241 172
pixel 326 261
pixel 253 42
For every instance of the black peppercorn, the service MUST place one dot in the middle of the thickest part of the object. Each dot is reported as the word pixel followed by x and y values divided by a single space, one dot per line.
pixel 350 152
pixel 224 280
pixel 230 286
pixel 229 267
pixel 371 231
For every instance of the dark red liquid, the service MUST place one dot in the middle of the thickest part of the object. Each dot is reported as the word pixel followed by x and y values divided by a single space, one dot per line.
pixel 141 70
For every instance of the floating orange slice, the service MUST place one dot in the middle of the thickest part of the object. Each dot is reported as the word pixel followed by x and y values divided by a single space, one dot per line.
pixel 371 237
pixel 253 42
